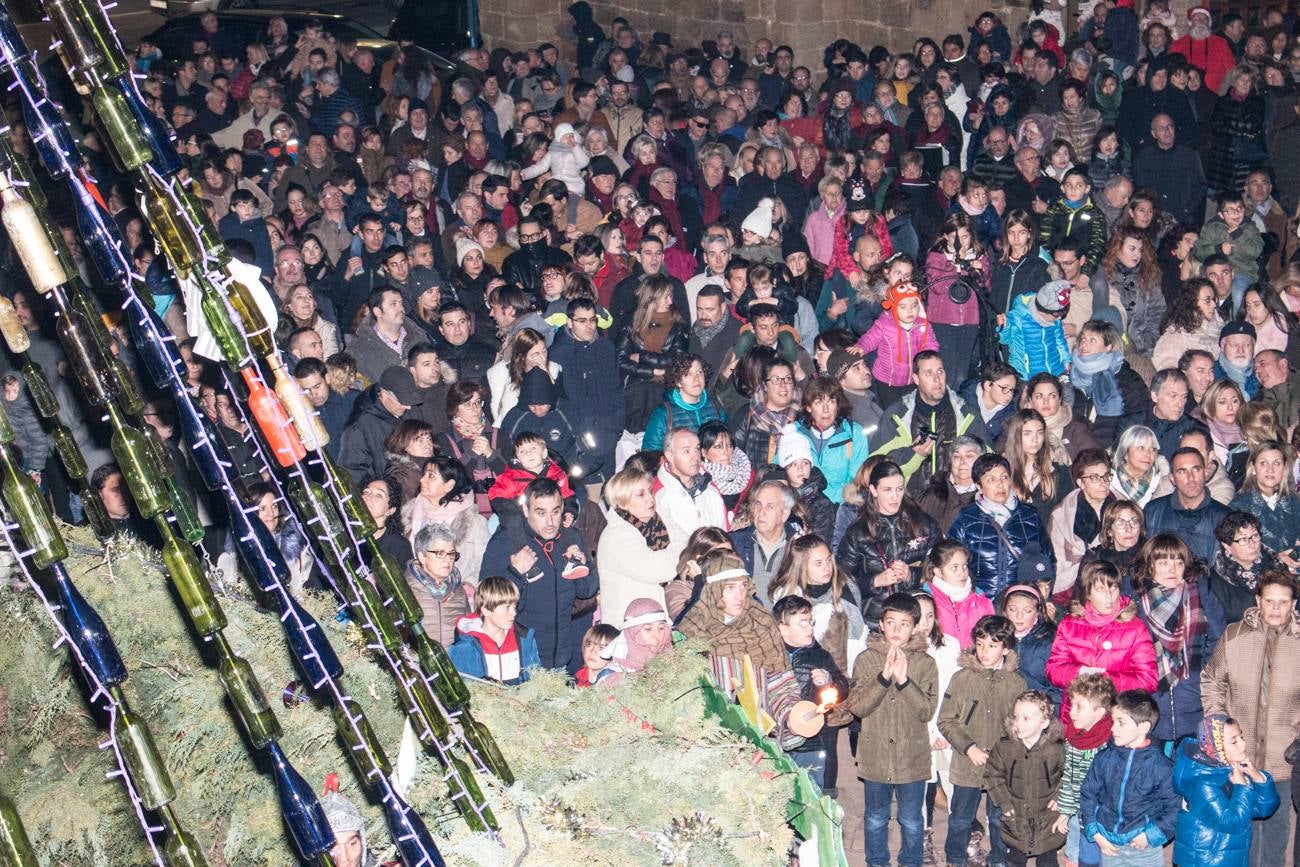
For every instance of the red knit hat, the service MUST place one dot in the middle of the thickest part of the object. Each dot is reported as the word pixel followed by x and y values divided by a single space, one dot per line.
pixel 897 293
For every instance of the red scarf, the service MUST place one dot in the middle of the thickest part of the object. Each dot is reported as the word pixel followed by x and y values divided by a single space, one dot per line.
pixel 1080 739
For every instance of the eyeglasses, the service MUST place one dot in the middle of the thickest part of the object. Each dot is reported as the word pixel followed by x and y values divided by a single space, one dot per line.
pixel 453 556
pixel 1128 523
pixel 583 320
pixel 781 380
pixel 424 437
pixel 473 401
pixel 530 237
pixel 1098 478
pixel 1249 539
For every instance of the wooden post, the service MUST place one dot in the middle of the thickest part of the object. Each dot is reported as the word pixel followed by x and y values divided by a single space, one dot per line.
pixel 1071 22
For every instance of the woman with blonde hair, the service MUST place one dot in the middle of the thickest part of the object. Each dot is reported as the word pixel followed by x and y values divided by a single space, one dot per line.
pixel 654 336
pixel 1266 495
pixel 635 554
pixel 300 311
pixel 1221 410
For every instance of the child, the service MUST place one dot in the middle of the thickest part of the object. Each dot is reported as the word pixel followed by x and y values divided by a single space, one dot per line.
pixel 1157 11
pixel 1023 771
pixel 1034 334
pixel 756 235
pixel 244 222
pixel 944 651
pixel 815 671
pixel 283 142
pixel 1023 605
pixel 858 219
pixel 762 290
pixel 1128 805
pixel 1075 215
pixel 728 465
pixel 975 707
pixel 898 337
pixel 30 437
pixel 794 457
pixel 1222 792
pixel 1231 234
pixel 893 693
pixel 594 643
pixel 531 460
pixel 1085 716
pixel 646 633
pixel 1108 159
pixel 487 644
pixel 564 159
pixel 958 606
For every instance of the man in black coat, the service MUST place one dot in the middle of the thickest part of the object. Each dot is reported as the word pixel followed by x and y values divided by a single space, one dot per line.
pixel 361 449
pixel 770 180
pixel 650 262
pixel 591 391
pixel 1189 512
pixel 524 267
pixel 1174 171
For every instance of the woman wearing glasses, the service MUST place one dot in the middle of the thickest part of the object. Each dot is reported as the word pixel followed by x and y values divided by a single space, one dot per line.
pixel 436 582
pixel 1075 525
pixel 1238 564
pixel 446 498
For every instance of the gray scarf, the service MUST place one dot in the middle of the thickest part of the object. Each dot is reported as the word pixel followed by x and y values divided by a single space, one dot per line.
pixel 706 333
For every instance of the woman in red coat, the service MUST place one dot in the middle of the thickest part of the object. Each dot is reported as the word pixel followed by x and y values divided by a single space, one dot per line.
pixel 1103 635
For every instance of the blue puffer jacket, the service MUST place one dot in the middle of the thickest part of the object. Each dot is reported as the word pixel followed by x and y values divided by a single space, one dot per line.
pixel 1129 792
pixel 993 563
pixel 1033 650
pixel 1214 825
pixel 1180 708
pixel 675 412
pixel 838 453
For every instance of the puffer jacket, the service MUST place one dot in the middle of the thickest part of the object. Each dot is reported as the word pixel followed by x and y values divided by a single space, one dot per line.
pixel 1034 649
pixel 837 452
pixel 1180 707
pixel 974 711
pixel 1195 526
pixel 1129 792
pixel 994 562
pixel 894 746
pixel 648 361
pixel 1085 222
pixel 1021 781
pixel 675 412
pixel 958 619
pixel 1214 824
pixel 442 608
pixel 863 554
pixel 821 511
pixel 1246 660
pixel 1121 645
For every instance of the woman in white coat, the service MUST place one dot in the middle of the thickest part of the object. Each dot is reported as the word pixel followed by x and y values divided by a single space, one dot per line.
pixel 635 555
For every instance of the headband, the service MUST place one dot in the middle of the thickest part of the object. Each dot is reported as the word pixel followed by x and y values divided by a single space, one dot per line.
pixel 617 649
pixel 726 574
pixel 1023 588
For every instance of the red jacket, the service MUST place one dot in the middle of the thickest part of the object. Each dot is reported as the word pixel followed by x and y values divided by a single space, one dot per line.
pixel 1121 645
pixel 1212 56
pixel 510 484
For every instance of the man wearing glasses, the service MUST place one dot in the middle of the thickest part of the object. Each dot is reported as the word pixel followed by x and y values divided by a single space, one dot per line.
pixel 1030 189
pixel 1174 171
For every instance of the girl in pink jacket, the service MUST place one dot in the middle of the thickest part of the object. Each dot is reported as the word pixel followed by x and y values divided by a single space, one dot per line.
pixel 1103 635
pixel 898 336
pixel 957 605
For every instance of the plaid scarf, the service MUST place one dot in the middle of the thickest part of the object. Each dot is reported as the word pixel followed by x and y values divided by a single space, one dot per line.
pixel 1175 617
pixel 653 531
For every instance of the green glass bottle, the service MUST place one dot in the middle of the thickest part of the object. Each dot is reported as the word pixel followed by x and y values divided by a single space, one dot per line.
pixel 217 314
pixel 88 366
pixel 161 455
pixel 96 515
pixel 32 513
pixel 481 824
pixel 95 20
pixel 418 701
pixel 15 848
pixel 385 631
pixel 163 214
pixel 252 321
pixel 135 459
pixel 310 498
pixel 438 665
pixel 359 744
pixel 197 216
pixel 245 693
pixel 7 434
pixel 152 781
pixel 95 317
pixel 393 587
pixel 354 508
pixel 128 395
pixel 192 586
pixel 119 126
pixel 187 517
pixel 485 745
pixel 39 388
pixel 69 452
pixel 76 45
pixel 182 850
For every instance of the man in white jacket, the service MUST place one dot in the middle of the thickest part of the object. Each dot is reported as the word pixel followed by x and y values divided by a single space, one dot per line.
pixel 685 497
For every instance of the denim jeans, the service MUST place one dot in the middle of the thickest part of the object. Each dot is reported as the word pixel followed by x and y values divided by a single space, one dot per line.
pixel 911 800
pixel 961 815
pixel 1152 856
pixel 813 761
pixel 1080 849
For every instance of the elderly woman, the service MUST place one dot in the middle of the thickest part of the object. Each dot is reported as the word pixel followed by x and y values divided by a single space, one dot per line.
pixel 997 528
pixel 446 497
pixel 838 443
pixel 1185 619
pixel 1139 466
pixel 433 577
pixel 635 554
pixel 1075 524
pixel 1241 559
pixel 1102 635
pixel 948 493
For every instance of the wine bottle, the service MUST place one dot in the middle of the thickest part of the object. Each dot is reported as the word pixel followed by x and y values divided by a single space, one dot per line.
pixel 32 513
pixel 305 421
pixel 181 849
pixel 80 54
pixel 100 241
pixel 414 844
pixel 393 587
pixel 128 395
pixel 96 515
pixel 310 647
pixel 88 366
pixel 354 508
pixel 162 212
pixel 207 448
pixel 447 681
pixel 482 820
pixel 301 810
pixel 355 730
pixel 197 216
pixel 16 337
pixel 15 848
pixel 87 629
pixel 148 772
pixel 217 314
pixel 159 356
pixel 245 693
pixel 50 135
pixel 485 745
pixel 418 702
pixel 192 586
pixel 259 552
pixel 135 459
pixel 95 21
pixel 165 161
pixel 39 388
pixel 7 433
pixel 162 457
pixel 381 625
pixel 33 244
pixel 183 510
pixel 272 421
pixel 251 320
pixel 69 452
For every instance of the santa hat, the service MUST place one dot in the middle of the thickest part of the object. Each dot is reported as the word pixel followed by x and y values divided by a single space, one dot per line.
pixel 759 220
pixel 1199 10
pixel 464 247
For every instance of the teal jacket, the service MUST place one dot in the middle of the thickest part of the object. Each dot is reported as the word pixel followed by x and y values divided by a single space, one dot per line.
pixel 838 454
pixel 675 412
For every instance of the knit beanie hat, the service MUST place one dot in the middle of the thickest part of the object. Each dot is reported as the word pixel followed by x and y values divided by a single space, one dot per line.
pixel 794 447
pixel 464 247
pixel 1211 739
pixel 794 242
pixel 561 130
pixel 759 220
pixel 1053 296
pixel 342 815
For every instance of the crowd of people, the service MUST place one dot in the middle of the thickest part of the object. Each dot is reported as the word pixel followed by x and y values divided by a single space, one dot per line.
pixel 947 383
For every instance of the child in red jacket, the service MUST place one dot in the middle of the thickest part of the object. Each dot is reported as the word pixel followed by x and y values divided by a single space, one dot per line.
pixel 531 460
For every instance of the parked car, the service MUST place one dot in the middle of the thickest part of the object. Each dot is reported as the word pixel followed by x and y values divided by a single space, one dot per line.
pixel 444 26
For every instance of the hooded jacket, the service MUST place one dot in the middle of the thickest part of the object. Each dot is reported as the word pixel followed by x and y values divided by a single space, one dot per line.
pixel 1129 791
pixel 1120 645
pixel 591 395
pixel 894 746
pixel 1022 781
pixel 676 412
pixel 974 711
pixel 476 654
pixel 554 426
pixel 361 450
pixel 1214 825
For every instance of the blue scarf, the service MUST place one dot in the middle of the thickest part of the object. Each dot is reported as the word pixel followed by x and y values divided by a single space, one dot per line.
pixel 1095 377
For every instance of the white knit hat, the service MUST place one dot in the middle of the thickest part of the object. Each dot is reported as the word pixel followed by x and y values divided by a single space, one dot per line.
pixel 794 447
pixel 561 130
pixel 464 247
pixel 759 220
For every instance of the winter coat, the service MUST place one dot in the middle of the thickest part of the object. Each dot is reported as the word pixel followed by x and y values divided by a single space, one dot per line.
pixel 1280 525
pixel 1121 646
pixel 1214 825
pixel 942 272
pixel 957 619
pixel 1237 143
pixel 898 430
pixel 1129 792
pixel 361 449
pixel 675 412
pixel 940 500
pixel 1177 178
pixel 1033 347
pixel 994 561
pixel 894 746
pixel 863 555
pixel 565 163
pixel 374 355
pixel 591 396
pixel 469 657
pixel 1013 279
pixel 1180 708
pixel 1171 345
pixel 1067 548
pixel 895 347
pixel 803 660
pixel 441 610
pixel 1034 650
pixel 760 442
pixel 837 453
pixel 1136 397
pixel 1231 583
pixel 29 434
pixel 1144 311
pixel 685 511
pixel 1086 222
pixel 820 510
pixel 1078 128
pixel 467 526
pixel 974 712
pixel 1247 246
pixel 554 427
pixel 629 569
pixel 1102 169
pixel 1251 677
pixel 1022 781
pixel 1195 526
pixel 546 597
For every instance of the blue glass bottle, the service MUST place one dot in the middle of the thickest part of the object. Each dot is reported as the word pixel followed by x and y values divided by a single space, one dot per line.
pixel 88 631
pixel 210 457
pixel 410 835
pixel 10 37
pixel 158 354
pixel 302 812
pixel 166 161
pixel 100 242
pixel 49 132
pixel 310 647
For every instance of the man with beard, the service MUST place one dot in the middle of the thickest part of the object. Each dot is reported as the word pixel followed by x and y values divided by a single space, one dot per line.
pixel 715 330
pixel 1209 53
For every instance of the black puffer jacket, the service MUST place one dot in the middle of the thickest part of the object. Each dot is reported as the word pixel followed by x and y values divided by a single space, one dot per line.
pixel 524 267
pixel 865 553
pixel 821 511
pixel 803 660
pixel 676 343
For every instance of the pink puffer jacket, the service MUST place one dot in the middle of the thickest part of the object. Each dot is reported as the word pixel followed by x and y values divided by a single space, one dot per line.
pixel 1120 644
pixel 958 619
